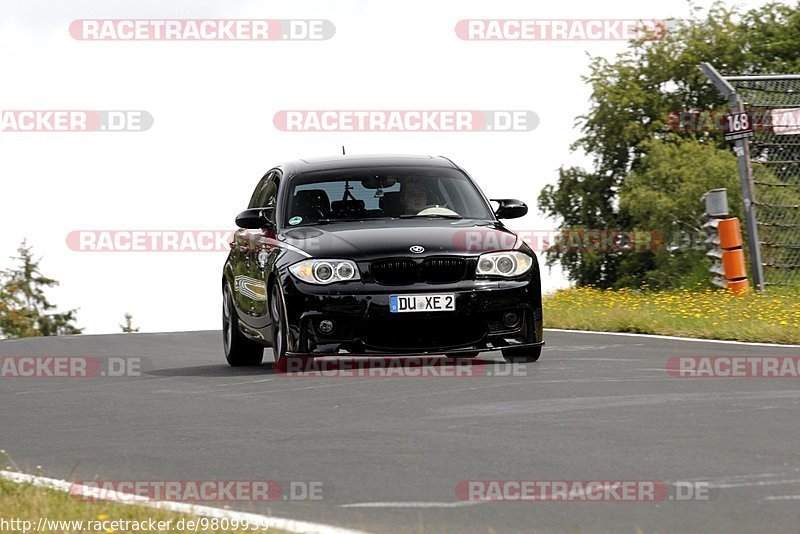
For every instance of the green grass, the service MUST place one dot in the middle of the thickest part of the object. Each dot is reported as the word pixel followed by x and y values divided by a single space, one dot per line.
pixel 771 317
pixel 27 502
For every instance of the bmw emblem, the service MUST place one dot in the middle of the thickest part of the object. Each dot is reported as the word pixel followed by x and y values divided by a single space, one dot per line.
pixel 416 249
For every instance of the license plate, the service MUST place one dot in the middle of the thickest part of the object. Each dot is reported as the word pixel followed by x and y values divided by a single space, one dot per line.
pixel 422 303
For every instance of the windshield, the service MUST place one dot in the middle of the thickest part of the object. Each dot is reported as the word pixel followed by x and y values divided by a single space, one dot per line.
pixel 382 193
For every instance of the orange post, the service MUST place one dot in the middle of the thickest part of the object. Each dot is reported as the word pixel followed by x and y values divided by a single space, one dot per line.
pixel 730 233
pixel 733 264
pixel 739 286
pixel 730 240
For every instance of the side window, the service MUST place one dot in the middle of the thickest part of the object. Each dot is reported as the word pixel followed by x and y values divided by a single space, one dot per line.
pixel 266 193
pixel 262 184
pixel 268 198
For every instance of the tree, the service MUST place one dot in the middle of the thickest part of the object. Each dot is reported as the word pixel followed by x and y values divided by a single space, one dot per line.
pixel 632 97
pixel 583 200
pixel 128 328
pixel 24 308
pixel 663 196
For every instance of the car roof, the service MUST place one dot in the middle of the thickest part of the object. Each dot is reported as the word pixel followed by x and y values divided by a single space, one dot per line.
pixel 326 163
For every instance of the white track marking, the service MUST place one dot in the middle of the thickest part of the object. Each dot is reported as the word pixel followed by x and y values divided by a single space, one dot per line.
pixel 676 338
pixel 289 525
pixel 412 504
pixel 629 334
pixel 570 404
pixel 782 498
pixel 587 348
pixel 625 360
pixel 732 478
pixel 758 483
pixel 243 383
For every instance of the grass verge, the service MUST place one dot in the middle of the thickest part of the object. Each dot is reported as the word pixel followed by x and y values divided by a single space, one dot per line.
pixel 770 317
pixel 23 505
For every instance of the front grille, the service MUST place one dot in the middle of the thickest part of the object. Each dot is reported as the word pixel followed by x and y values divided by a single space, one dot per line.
pixel 442 270
pixel 397 271
pixel 400 271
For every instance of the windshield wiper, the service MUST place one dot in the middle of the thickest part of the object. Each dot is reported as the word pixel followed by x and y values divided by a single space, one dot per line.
pixel 354 219
pixel 439 215
pixel 329 221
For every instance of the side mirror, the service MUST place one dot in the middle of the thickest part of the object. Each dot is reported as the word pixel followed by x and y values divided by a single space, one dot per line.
pixel 255 218
pixel 510 208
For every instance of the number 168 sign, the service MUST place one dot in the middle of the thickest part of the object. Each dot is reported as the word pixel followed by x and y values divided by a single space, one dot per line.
pixel 738 125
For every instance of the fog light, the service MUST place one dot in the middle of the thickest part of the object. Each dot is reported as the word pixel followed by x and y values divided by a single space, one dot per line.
pixel 325 326
pixel 510 319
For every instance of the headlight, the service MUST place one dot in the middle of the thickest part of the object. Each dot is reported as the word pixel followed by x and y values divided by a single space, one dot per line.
pixel 325 271
pixel 505 264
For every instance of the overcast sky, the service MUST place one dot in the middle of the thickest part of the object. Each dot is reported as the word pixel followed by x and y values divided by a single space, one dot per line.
pixel 213 134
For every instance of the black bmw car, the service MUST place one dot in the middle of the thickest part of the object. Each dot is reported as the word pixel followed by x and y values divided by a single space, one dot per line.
pixel 378 255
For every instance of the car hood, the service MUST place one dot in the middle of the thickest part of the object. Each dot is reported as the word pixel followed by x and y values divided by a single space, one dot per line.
pixel 365 240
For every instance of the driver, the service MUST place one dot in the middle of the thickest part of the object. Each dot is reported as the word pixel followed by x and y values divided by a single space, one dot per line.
pixel 413 197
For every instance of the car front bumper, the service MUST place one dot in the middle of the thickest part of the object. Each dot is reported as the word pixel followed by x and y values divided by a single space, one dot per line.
pixel 364 326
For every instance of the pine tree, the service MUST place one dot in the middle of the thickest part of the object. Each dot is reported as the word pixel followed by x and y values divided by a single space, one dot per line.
pixel 24 308
pixel 128 328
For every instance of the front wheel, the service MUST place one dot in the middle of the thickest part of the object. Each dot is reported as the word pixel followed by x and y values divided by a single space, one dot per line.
pixel 239 350
pixel 522 354
pixel 278 318
pixel 283 363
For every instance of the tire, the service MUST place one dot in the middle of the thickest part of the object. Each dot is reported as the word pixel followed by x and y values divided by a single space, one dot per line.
pixel 283 363
pixel 522 354
pixel 278 318
pixel 239 350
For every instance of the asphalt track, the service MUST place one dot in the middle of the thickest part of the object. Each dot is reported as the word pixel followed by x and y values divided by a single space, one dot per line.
pixel 390 451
